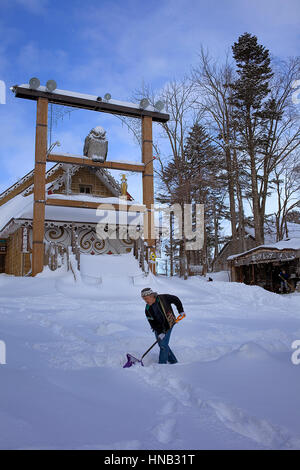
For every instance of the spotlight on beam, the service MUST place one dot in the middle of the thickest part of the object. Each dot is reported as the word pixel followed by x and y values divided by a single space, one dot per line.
pixel 34 83
pixel 159 105
pixel 52 147
pixel 144 103
pixel 51 85
pixel 107 96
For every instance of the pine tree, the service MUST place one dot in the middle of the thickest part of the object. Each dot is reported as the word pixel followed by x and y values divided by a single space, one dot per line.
pixel 249 97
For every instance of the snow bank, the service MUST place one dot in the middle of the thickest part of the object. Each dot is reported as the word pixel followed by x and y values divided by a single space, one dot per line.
pixel 219 276
pixel 64 386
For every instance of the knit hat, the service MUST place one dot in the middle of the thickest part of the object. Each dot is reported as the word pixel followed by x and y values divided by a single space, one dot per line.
pixel 147 291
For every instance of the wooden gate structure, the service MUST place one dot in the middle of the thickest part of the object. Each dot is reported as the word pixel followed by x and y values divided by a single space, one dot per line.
pixel 93 103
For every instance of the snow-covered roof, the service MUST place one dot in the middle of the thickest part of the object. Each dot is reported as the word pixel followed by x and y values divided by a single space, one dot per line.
pixel 21 207
pixel 14 208
pixel 84 215
pixel 90 198
pixel 288 244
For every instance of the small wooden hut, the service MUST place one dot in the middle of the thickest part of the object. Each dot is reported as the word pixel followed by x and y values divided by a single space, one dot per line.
pixel 261 265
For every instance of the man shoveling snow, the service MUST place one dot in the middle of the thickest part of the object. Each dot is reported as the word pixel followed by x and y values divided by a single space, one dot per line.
pixel 161 317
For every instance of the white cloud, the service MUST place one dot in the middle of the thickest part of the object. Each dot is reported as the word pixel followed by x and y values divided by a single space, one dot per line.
pixel 131 43
pixel 38 7
pixel 34 59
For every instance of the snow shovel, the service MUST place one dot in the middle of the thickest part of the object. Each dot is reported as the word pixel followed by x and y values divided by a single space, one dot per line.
pixel 131 360
pixel 290 287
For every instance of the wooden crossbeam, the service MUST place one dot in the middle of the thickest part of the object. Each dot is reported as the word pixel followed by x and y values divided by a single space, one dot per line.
pixel 93 103
pixel 93 205
pixel 82 161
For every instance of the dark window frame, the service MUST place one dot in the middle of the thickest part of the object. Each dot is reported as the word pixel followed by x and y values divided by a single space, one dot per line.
pixel 85 187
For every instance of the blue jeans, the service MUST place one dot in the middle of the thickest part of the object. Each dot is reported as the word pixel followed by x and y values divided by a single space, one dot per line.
pixel 284 286
pixel 165 354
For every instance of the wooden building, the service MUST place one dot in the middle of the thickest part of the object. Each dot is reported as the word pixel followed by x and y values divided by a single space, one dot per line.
pixel 81 186
pixel 230 248
pixel 261 265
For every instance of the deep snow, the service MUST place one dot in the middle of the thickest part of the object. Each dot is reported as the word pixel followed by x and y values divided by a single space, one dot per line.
pixel 63 385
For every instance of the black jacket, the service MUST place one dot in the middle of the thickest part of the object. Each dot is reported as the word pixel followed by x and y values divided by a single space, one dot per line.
pixel 161 317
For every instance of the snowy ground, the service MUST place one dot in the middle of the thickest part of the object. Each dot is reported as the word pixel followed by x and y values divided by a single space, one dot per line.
pixel 64 387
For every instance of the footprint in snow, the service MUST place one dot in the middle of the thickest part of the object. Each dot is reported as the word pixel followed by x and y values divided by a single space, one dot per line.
pixel 169 408
pixel 164 432
pixel 260 430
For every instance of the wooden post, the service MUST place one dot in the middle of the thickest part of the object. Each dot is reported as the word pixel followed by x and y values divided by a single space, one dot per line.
pixel 39 186
pixel 148 186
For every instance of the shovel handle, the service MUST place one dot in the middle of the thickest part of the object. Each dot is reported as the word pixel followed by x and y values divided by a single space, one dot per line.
pixel 149 349
pixel 180 317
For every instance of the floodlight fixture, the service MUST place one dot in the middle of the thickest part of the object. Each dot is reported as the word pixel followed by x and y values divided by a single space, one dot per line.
pixel 159 105
pixel 34 83
pixel 57 143
pixel 144 103
pixel 107 96
pixel 51 85
pixel 99 98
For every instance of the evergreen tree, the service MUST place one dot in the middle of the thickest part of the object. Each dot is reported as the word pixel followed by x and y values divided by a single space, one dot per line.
pixel 204 170
pixel 252 111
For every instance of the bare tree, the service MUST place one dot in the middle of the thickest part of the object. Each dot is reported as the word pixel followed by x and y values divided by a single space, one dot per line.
pixel 282 132
pixel 179 99
pixel 212 84
pixel 286 183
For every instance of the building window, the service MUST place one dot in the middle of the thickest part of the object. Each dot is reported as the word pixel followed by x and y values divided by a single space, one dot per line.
pixel 85 189
pixel 2 246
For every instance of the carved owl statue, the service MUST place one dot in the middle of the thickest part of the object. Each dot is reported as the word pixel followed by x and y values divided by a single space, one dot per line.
pixel 96 145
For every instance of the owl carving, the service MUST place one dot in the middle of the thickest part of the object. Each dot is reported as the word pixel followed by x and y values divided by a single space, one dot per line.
pixel 96 145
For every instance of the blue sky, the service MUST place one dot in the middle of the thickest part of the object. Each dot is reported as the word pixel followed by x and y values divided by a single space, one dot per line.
pixel 113 46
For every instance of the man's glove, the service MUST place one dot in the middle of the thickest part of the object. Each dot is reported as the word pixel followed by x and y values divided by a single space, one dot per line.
pixel 161 336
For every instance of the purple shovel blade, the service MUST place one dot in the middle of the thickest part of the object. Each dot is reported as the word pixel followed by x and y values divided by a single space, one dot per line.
pixel 131 360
